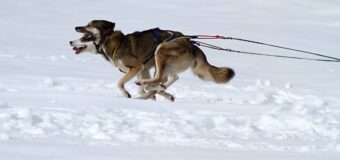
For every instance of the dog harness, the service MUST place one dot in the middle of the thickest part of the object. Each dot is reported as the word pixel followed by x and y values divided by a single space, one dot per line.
pixel 157 34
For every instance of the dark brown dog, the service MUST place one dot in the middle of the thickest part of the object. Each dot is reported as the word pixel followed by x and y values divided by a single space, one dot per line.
pixel 133 54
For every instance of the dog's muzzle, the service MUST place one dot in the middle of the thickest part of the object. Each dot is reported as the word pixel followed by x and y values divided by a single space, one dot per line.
pixel 81 29
pixel 80 44
pixel 88 37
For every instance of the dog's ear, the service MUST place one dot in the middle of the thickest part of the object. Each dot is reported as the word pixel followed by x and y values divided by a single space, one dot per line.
pixel 109 25
pixel 112 25
pixel 102 24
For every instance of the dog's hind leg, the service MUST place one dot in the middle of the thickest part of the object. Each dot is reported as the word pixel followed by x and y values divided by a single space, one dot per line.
pixel 160 59
pixel 171 80
pixel 144 74
pixel 152 93
pixel 160 89
pixel 128 76
pixel 153 90
pixel 166 95
pixel 148 95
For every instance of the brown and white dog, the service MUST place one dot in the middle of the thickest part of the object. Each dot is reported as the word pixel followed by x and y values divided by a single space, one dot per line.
pixel 132 54
pixel 136 53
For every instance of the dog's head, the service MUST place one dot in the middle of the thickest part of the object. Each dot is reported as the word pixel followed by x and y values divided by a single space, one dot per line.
pixel 84 44
pixel 93 32
pixel 96 29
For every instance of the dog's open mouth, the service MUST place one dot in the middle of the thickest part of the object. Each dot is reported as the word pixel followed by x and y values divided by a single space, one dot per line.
pixel 79 49
pixel 88 36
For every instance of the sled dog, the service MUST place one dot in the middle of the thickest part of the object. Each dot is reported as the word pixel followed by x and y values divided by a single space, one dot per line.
pixel 134 54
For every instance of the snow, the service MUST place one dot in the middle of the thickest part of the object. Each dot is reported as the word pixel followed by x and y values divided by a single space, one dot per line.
pixel 58 105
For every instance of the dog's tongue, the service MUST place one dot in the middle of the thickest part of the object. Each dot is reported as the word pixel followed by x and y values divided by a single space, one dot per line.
pixel 78 49
pixel 75 49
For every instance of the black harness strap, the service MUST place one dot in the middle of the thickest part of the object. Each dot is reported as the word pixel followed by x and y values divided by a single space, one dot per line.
pixel 149 58
pixel 157 34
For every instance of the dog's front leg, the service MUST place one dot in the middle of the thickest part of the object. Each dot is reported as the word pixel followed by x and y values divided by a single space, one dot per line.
pixel 126 77
pixel 144 74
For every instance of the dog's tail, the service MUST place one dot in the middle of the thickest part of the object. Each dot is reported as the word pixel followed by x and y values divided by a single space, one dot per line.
pixel 208 72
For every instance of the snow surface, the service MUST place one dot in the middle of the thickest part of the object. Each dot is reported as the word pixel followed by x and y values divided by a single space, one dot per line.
pixel 58 105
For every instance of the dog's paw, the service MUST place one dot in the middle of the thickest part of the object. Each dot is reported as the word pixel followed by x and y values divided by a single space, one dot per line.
pixel 172 99
pixel 145 97
pixel 139 83
pixel 162 87
pixel 153 97
pixel 127 94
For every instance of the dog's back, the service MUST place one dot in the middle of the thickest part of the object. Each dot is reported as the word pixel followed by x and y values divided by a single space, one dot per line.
pixel 142 45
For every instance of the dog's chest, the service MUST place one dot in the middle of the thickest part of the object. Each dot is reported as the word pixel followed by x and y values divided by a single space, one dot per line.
pixel 117 62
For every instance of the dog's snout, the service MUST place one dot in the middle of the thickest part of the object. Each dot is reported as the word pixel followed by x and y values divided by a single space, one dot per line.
pixel 80 29
pixel 71 43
